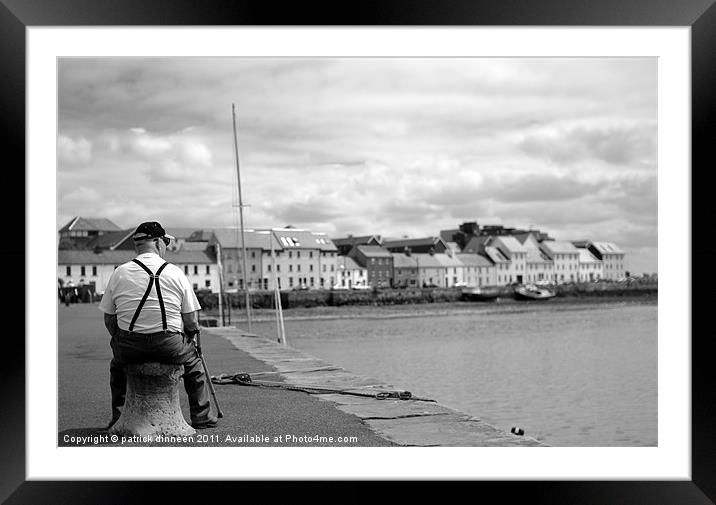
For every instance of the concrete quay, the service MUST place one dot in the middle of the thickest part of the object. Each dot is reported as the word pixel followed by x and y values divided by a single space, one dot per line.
pixel 279 414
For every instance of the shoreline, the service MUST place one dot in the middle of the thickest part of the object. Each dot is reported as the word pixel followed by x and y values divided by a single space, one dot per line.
pixel 506 306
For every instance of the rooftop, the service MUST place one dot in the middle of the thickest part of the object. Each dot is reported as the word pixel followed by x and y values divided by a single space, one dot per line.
pixel 474 260
pixel 411 242
pixel 448 261
pixel 402 260
pixel 373 251
pixel 587 257
pixel 511 244
pixel 83 257
pixel 278 238
pixel 560 247
pixel 348 263
pixel 607 247
pixel 79 223
pixel 496 255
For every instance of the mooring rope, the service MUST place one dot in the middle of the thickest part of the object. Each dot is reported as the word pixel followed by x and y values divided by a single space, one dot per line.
pixel 244 379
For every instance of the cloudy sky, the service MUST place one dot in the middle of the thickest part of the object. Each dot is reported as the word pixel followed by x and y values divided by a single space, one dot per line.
pixel 383 146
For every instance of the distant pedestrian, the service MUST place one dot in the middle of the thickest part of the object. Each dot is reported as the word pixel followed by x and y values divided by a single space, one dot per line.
pixel 151 312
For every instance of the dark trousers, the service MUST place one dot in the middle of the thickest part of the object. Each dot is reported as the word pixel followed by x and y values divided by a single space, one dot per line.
pixel 168 348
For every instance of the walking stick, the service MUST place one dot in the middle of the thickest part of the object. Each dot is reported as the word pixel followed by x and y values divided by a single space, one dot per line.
pixel 197 343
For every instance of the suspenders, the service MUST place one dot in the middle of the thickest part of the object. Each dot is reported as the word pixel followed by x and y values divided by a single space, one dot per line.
pixel 152 278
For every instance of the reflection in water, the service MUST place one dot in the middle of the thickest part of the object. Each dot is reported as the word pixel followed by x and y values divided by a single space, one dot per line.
pixel 569 375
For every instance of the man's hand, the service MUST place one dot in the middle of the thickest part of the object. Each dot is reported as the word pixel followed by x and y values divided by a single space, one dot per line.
pixel 191 334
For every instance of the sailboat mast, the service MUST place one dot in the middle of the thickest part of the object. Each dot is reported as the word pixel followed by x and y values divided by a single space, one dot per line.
pixel 241 217
pixel 277 295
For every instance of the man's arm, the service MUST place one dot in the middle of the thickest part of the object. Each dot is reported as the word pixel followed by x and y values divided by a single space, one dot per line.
pixel 191 323
pixel 110 322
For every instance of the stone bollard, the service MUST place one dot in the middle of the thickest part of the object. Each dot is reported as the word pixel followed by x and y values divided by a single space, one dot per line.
pixel 151 406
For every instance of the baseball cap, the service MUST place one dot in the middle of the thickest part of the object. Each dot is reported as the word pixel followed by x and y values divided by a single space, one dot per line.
pixel 150 230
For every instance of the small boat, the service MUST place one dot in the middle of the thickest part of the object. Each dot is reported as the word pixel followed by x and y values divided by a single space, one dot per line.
pixel 532 292
pixel 480 294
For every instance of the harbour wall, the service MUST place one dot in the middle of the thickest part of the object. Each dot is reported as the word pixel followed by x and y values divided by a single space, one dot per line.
pixel 337 298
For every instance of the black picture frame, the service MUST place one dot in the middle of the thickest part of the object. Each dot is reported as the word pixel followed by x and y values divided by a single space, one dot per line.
pixel 700 15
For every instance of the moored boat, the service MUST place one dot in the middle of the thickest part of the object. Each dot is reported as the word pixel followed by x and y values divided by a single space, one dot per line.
pixel 480 294
pixel 532 292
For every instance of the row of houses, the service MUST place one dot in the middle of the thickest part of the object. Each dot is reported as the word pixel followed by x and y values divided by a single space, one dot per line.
pixel 291 258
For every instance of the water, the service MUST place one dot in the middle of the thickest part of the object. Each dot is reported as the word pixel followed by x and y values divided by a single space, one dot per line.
pixel 568 374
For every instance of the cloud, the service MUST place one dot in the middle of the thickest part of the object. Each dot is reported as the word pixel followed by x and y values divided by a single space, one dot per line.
pixel 172 157
pixel 304 212
pixel 82 195
pixel 616 145
pixel 358 145
pixel 74 151
pixel 536 187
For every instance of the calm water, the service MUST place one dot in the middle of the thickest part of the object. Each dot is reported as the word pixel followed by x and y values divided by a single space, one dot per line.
pixel 568 374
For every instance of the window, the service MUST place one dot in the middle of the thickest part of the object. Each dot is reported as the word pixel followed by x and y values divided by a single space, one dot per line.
pixel 310 267
pixel 290 268
pixel 207 270
pixel 253 254
pixel 290 254
pixel 69 271
pixel 278 268
pixel 268 267
pixel 195 286
pixel 231 269
pixel 290 281
pixel 82 271
pixel 94 271
pixel 207 283
pixel 298 254
pixel 333 268
pixel 253 268
pixel 186 269
pixel 312 283
pixel 310 254
pixel 196 269
pixel 298 268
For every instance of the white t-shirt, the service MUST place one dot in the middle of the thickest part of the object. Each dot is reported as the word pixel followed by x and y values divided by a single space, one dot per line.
pixel 127 286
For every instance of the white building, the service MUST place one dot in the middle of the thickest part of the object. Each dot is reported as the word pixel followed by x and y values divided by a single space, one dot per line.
pixel 453 270
pixel 90 268
pixel 612 258
pixel 565 258
pixel 300 258
pixel 477 270
pixel 539 266
pixel 591 268
pixel 350 274
pixel 502 266
pixel 431 273
pixel 516 253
